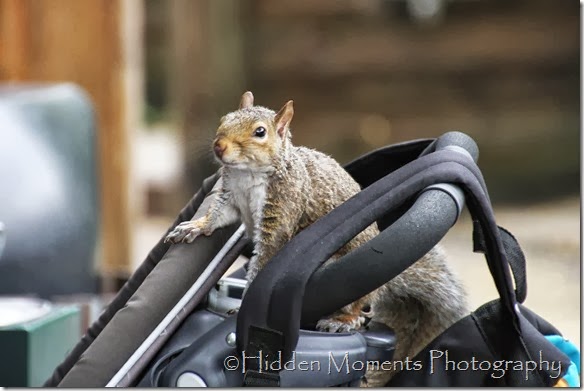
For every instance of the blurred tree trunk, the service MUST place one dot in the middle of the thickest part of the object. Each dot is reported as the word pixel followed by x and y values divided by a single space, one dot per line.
pixel 207 77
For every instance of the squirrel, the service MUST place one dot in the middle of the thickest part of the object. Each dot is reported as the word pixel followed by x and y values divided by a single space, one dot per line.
pixel 277 189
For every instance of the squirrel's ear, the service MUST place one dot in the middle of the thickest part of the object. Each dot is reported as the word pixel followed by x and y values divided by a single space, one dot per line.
pixel 246 100
pixel 284 117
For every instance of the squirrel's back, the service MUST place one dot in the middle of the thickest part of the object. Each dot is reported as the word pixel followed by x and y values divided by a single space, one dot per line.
pixel 306 185
pixel 329 185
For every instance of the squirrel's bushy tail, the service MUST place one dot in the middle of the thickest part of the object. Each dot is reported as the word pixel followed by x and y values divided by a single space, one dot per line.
pixel 418 305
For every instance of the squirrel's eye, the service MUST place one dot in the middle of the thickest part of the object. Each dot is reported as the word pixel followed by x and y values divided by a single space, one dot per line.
pixel 260 132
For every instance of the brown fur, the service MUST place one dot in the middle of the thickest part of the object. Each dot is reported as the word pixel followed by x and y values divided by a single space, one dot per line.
pixel 298 186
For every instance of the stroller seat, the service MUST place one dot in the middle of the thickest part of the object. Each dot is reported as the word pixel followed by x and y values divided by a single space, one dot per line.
pixel 173 323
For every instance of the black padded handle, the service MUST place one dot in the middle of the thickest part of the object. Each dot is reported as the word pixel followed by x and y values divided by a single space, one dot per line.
pixel 366 268
pixel 414 234
pixel 274 299
pixel 458 141
pixel 454 141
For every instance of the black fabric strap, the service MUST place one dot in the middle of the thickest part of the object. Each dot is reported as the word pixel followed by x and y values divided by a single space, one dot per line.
pixel 532 346
pixel 129 287
pixel 274 299
pixel 515 257
pixel 254 378
pixel 265 342
pixel 263 348
pixel 491 321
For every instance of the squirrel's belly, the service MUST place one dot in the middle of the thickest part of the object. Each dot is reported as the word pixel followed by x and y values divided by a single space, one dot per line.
pixel 250 201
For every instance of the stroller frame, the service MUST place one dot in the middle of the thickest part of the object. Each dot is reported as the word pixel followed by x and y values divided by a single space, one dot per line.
pixel 411 220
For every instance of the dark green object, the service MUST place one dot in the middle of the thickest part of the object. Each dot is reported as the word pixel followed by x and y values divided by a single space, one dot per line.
pixel 29 352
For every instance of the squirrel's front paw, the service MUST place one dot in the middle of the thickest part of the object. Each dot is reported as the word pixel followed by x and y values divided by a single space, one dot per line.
pixel 187 231
pixel 341 323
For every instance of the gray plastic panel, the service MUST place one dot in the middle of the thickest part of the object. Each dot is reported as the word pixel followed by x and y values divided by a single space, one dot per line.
pixel 319 360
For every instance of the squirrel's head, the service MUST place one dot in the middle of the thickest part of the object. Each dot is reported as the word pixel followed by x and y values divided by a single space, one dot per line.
pixel 253 137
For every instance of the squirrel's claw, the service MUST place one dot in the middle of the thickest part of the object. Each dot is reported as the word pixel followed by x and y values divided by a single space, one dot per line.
pixel 191 235
pixel 341 323
pixel 185 232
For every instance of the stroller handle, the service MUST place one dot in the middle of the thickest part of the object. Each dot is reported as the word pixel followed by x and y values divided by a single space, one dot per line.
pixel 416 232
pixel 459 142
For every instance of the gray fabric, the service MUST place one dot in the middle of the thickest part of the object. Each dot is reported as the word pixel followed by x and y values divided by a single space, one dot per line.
pixel 132 376
pixel 160 291
pixel 122 297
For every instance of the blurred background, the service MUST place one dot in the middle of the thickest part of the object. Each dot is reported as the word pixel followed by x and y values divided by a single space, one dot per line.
pixel 363 74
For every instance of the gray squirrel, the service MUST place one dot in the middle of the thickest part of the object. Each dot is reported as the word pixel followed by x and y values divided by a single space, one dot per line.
pixel 277 189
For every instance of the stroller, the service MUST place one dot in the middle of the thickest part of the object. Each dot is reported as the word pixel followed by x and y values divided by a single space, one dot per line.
pixel 171 325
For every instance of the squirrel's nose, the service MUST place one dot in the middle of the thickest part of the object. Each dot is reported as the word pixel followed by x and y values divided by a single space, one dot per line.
pixel 219 149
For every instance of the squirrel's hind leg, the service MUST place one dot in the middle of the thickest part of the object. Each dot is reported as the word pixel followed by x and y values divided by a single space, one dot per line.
pixel 349 318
